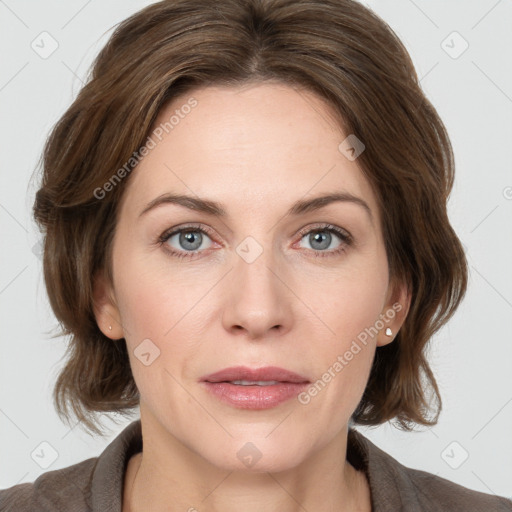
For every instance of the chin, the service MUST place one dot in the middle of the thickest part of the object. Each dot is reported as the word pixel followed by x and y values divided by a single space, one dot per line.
pixel 259 455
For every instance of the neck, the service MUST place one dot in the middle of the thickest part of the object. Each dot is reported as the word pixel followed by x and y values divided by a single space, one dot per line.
pixel 170 473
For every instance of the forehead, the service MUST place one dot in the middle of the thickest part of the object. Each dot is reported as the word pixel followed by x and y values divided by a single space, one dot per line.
pixel 249 147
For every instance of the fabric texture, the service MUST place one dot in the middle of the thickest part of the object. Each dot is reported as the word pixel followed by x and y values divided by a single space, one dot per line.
pixel 96 484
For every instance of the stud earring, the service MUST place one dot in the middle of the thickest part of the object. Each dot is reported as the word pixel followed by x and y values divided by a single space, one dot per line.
pixel 109 327
pixel 389 332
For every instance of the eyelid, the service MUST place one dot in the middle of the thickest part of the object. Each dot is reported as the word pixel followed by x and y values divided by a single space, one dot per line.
pixel 322 226
pixel 168 233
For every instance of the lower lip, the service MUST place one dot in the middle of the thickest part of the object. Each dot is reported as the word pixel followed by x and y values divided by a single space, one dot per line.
pixel 255 397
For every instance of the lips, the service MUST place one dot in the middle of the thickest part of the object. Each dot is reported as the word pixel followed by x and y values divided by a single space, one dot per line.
pixel 262 388
pixel 259 376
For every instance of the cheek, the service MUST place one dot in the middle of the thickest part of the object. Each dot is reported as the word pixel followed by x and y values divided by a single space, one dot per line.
pixel 157 318
pixel 343 358
pixel 160 312
pixel 352 301
pixel 153 298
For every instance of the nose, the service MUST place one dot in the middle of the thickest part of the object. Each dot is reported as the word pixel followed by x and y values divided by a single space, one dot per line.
pixel 258 301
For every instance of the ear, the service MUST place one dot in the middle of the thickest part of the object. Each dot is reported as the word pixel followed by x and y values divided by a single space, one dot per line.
pixel 395 311
pixel 105 308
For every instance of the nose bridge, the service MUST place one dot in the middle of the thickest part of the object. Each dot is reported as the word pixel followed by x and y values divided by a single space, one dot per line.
pixel 257 298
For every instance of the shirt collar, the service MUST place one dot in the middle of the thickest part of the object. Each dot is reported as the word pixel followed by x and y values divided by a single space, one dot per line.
pixel 390 486
pixel 108 477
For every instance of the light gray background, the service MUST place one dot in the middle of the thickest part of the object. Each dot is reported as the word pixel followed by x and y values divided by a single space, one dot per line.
pixel 471 357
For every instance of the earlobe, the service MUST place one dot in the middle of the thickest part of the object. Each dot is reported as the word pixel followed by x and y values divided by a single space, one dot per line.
pixel 394 313
pixel 105 308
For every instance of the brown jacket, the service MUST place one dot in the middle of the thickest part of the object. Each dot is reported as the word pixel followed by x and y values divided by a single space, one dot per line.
pixel 96 484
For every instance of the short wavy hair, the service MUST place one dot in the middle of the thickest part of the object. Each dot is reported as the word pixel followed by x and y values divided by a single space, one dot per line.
pixel 338 49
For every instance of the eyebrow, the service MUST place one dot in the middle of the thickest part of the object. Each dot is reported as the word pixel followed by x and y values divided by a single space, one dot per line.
pixel 215 209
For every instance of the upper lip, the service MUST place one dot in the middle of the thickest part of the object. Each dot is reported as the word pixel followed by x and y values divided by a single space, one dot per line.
pixel 266 373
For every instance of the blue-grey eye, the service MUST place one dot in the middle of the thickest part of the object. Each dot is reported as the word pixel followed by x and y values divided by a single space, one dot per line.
pixel 187 240
pixel 321 240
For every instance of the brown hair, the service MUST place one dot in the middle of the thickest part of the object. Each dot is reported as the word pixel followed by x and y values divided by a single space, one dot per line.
pixel 339 50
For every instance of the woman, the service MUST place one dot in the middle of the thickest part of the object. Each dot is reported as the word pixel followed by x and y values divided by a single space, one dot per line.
pixel 240 242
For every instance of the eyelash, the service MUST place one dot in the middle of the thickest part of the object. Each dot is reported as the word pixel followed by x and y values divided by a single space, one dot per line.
pixel 346 239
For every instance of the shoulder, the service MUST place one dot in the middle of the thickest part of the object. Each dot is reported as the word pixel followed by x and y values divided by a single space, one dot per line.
pixel 52 491
pixel 439 494
pixel 95 483
pixel 395 487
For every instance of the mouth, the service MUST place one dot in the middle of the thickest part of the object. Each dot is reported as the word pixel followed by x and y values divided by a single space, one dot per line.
pixel 261 388
pixel 254 383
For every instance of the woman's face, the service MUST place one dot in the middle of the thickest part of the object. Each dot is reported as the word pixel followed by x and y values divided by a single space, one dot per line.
pixel 255 287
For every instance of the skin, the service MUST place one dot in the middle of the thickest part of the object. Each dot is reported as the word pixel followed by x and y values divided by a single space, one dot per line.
pixel 256 149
